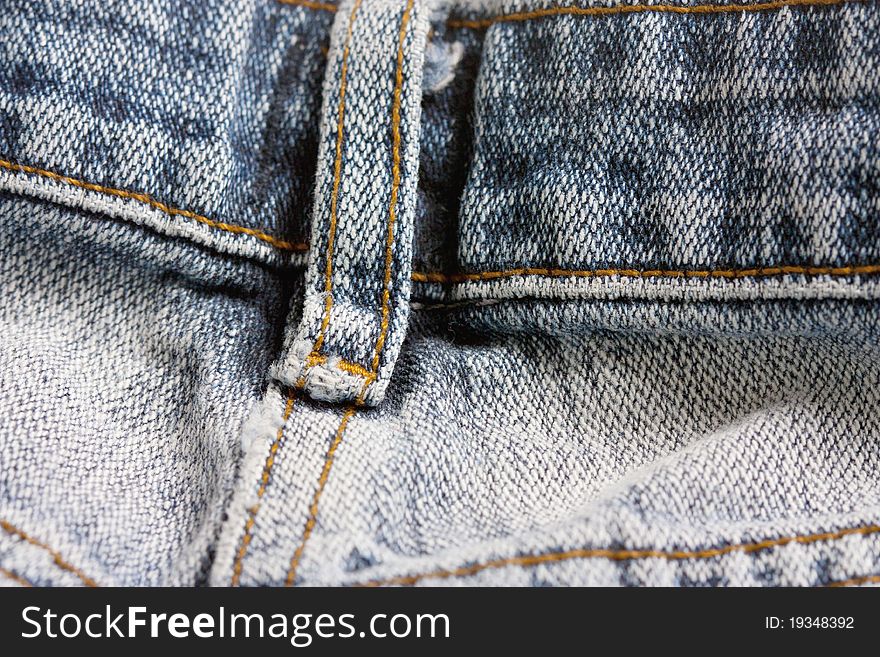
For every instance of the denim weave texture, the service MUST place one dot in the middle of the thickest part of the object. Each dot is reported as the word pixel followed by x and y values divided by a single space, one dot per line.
pixel 422 292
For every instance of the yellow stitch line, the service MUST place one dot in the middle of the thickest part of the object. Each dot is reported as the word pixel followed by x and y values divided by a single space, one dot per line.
pixel 59 560
pixel 855 581
pixel 354 368
pixel 15 578
pixel 755 272
pixel 320 6
pixel 247 536
pixel 314 359
pixel 313 508
pixel 516 17
pixel 395 186
pixel 350 411
pixel 337 176
pixel 621 555
pixel 158 205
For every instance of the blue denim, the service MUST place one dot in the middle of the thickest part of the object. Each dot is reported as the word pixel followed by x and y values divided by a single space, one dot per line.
pixel 356 306
pixel 422 292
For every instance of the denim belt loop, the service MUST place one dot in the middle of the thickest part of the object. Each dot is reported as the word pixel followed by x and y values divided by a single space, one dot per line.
pixel 356 305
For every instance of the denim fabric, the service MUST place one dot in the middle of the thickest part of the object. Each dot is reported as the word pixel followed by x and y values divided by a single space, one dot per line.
pixel 125 357
pixel 356 305
pixel 707 452
pixel 210 109
pixel 676 142
pixel 419 293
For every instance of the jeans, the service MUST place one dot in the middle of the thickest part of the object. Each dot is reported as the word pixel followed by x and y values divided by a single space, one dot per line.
pixel 425 292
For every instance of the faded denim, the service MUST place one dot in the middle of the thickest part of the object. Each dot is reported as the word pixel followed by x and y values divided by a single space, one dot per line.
pixel 421 293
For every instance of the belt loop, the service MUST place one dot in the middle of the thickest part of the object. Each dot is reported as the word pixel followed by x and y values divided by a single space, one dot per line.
pixel 356 305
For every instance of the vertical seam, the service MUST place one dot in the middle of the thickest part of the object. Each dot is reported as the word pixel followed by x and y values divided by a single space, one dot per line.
pixel 312 519
pixel 328 302
pixel 337 176
pixel 59 560
pixel 248 535
pixel 395 189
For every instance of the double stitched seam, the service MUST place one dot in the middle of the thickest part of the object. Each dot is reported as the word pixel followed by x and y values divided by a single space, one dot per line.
pixel 754 272
pixel 622 555
pixel 316 498
pixel 312 519
pixel 247 535
pixel 15 577
pixel 157 205
pixel 395 190
pixel 517 17
pixel 334 198
pixel 59 560
pixel 314 357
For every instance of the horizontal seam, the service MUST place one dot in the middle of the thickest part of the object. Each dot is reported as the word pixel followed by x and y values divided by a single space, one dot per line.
pixel 59 560
pixel 754 272
pixel 621 555
pixel 855 581
pixel 319 6
pixel 16 577
pixel 516 17
pixel 158 205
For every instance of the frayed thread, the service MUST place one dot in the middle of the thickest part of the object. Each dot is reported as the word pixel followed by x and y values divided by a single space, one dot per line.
pixel 261 423
pixel 441 60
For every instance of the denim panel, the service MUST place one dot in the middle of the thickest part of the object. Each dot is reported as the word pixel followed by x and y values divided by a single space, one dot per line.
pixel 452 59
pixel 209 108
pixel 128 363
pixel 682 429
pixel 659 141
pixel 692 414
pixel 356 304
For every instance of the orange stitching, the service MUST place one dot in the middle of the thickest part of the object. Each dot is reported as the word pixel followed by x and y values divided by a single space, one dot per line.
pixel 348 366
pixel 320 6
pixel 158 205
pixel 345 365
pixel 621 555
pixel 56 556
pixel 479 24
pixel 855 581
pixel 350 411
pixel 313 508
pixel 354 368
pixel 15 578
pixel 337 175
pixel 483 23
pixel 757 272
pixel 264 483
pixel 395 185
